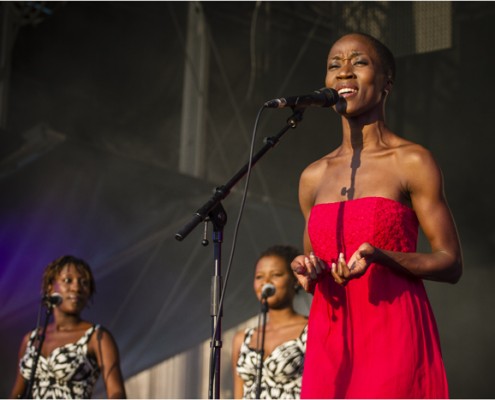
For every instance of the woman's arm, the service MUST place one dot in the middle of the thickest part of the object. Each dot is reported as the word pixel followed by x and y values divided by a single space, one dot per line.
pixel 444 262
pixel 20 383
pixel 307 267
pixel 107 356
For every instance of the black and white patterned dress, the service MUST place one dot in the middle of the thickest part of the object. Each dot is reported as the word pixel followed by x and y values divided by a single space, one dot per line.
pixel 282 369
pixel 67 373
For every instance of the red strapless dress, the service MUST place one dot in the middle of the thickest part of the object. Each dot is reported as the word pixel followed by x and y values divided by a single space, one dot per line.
pixel 377 337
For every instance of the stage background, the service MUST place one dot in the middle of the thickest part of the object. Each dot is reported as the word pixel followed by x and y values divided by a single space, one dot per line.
pixel 118 119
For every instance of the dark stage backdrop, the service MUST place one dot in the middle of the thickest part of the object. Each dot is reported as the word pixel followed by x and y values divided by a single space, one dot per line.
pixel 90 153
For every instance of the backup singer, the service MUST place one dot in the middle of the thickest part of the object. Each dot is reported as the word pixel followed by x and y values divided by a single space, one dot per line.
pixel 75 352
pixel 285 334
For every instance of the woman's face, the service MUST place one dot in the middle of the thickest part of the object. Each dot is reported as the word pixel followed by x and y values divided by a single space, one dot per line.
pixel 74 287
pixel 273 269
pixel 356 73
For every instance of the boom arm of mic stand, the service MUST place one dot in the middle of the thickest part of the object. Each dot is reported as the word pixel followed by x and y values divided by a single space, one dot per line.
pixel 222 192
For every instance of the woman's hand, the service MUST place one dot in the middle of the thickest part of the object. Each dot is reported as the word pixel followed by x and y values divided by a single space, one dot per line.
pixel 307 269
pixel 358 264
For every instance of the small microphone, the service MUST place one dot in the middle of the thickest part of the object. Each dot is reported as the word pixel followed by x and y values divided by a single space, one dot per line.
pixel 53 299
pixel 324 97
pixel 267 290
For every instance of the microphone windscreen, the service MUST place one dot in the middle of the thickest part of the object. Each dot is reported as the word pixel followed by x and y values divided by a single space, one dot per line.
pixel 267 290
pixel 53 299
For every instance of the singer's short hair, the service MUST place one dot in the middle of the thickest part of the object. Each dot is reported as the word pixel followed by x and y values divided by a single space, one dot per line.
pixel 386 56
pixel 53 269
pixel 286 252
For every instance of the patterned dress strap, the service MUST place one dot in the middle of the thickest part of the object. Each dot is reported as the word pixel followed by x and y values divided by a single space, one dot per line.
pixel 248 334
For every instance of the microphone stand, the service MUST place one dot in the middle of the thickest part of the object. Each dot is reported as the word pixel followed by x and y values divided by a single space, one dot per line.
pixel 264 311
pixel 218 217
pixel 41 338
pixel 214 211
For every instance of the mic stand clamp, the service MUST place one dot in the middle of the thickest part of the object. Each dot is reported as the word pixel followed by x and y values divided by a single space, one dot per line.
pixel 40 339
pixel 261 351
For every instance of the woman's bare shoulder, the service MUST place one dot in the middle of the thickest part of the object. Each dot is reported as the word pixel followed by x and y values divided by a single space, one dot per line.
pixel 409 153
pixel 415 155
pixel 239 336
pixel 318 167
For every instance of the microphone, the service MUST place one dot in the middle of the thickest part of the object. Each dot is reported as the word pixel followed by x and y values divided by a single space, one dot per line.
pixel 323 97
pixel 267 290
pixel 53 299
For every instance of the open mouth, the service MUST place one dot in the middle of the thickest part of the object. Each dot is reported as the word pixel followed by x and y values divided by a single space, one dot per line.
pixel 346 92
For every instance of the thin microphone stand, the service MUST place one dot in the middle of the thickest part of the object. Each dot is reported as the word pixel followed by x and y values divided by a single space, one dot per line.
pixel 218 217
pixel 41 338
pixel 214 211
pixel 264 311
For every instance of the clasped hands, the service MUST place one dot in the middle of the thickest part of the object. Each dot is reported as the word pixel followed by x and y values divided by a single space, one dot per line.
pixel 308 268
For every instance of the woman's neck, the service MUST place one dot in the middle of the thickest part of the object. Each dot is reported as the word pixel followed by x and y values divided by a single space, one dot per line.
pixel 281 317
pixel 357 135
pixel 66 322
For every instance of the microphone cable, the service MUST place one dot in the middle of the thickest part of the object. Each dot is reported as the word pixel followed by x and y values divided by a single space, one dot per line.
pixel 234 237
